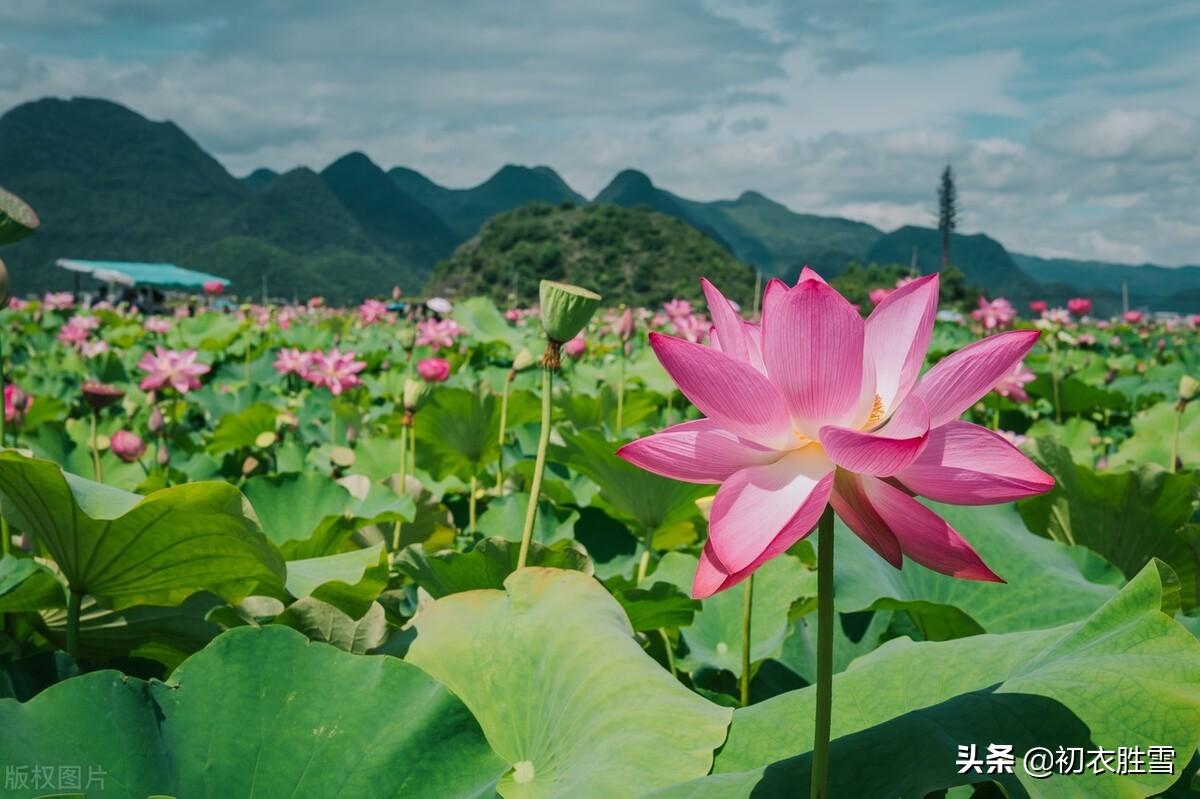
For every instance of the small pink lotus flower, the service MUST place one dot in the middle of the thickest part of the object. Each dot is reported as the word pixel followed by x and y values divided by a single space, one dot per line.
pixel 213 288
pixel 127 446
pixel 335 370
pixel 59 300
pixel 676 308
pixel 16 403
pixel 878 295
pixel 818 406
pixel 1133 317
pixel 433 370
pixel 372 311
pixel 1086 340
pixel 93 348
pixel 623 327
pixel 512 314
pixel 1012 384
pixel 1057 316
pixel 575 347
pixel 692 327
pixel 171 368
pixel 73 335
pixel 292 361
pixel 158 325
pixel 1080 306
pixel 1038 306
pixel 994 315
pixel 438 333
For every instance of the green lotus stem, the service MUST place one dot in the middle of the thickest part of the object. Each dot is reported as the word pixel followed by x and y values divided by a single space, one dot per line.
pixel 73 605
pixel 1175 437
pixel 820 761
pixel 747 610
pixel 96 449
pixel 621 391
pixel 471 508
pixel 1054 380
pixel 667 648
pixel 757 289
pixel 539 465
pixel 333 425
pixel 412 448
pixel 503 430
pixel 403 484
pixel 644 562
pixel 247 359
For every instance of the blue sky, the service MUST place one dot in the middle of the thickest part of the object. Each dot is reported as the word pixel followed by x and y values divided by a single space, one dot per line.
pixel 1073 126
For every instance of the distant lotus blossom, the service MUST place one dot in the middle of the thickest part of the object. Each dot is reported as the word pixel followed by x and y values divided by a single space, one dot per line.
pixel 1133 317
pixel 878 295
pixel 1038 306
pixel 439 305
pixel 693 327
pixel 284 318
pixel 59 300
pixel 518 314
pixel 335 370
pixel 904 281
pixel 433 370
pixel 17 304
pixel 213 288
pixel 438 333
pixel 575 347
pixel 372 311
pixel 1194 320
pixel 623 327
pixel 1080 306
pixel 171 368
pixel 1058 316
pixel 73 335
pixel 1012 384
pixel 995 314
pixel 16 403
pixel 677 308
pixel 292 361
pixel 1115 341
pixel 1016 439
pixel 1086 340
pixel 127 446
pixel 93 348
pixel 659 320
pixel 157 324
pixel 182 312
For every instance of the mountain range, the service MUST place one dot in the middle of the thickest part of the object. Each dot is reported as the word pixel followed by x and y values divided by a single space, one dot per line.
pixel 110 184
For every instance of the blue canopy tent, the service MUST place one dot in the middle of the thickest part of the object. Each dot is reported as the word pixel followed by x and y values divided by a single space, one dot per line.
pixel 133 273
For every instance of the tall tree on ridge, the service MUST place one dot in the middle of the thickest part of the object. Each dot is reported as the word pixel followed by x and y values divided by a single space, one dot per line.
pixel 947 211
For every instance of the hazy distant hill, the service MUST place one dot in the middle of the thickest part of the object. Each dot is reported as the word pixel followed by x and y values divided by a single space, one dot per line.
pixel 465 210
pixel 1157 287
pixel 983 260
pixel 260 178
pixel 628 255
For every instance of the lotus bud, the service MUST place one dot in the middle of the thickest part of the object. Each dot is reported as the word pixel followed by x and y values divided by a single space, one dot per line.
pixel 127 446
pixel 1189 387
pixel 416 392
pixel 250 464
pixel 265 439
pixel 155 423
pixel 624 326
pixel 164 456
pixel 523 361
pixel 4 293
pixel 434 370
pixel 566 309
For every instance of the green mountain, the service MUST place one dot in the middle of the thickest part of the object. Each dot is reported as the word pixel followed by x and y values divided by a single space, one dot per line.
pixel 636 256
pixel 1149 286
pixel 465 210
pixel 260 178
pixel 982 260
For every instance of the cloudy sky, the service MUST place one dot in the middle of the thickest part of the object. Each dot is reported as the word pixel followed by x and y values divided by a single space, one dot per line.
pixel 1073 126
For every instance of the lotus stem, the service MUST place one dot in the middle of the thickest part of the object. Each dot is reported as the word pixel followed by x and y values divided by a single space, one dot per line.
pixel 549 363
pixel 96 448
pixel 503 429
pixel 747 610
pixel 666 639
pixel 471 507
pixel 403 477
pixel 412 448
pixel 820 761
pixel 1175 436
pixel 621 391
pixel 644 562
pixel 73 605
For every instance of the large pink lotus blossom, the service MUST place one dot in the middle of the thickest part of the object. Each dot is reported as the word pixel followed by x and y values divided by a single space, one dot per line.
pixel 994 315
pixel 73 335
pixel 818 406
pixel 372 311
pixel 335 370
pixel 292 361
pixel 1012 384
pixel 1080 306
pixel 171 368
pixel 438 333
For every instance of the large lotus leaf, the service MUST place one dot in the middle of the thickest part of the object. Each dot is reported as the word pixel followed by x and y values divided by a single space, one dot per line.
pixel 1048 583
pixel 350 581
pixel 323 622
pixel 1153 432
pixel 1127 517
pixel 239 430
pixel 17 219
pixel 487 565
pixel 551 670
pixel 854 635
pixel 27 585
pixel 505 517
pixel 133 550
pixel 600 409
pixel 458 433
pixel 479 317
pixel 299 511
pixel 1076 434
pixel 714 637
pixel 377 457
pixel 646 500
pixel 213 332
pixel 1128 675
pixel 652 605
pixel 259 712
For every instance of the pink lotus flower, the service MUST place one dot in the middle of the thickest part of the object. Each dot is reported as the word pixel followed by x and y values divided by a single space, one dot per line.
pixel 372 311
pixel 1133 317
pixel 1086 340
pixel 433 370
pixel 16 403
pixel 675 308
pixel 878 295
pixel 1012 384
pixel 59 300
pixel 623 326
pixel 73 335
pixel 171 368
pixel 818 406
pixel 996 314
pixel 213 288
pixel 156 324
pixel 1080 306
pixel 1058 316
pixel 292 361
pixel 575 347
pixel 1038 306
pixel 438 333
pixel 93 348
pixel 127 446
pixel 335 370
pixel 693 327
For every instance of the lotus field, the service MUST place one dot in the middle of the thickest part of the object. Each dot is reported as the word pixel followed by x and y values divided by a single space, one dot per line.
pixel 696 550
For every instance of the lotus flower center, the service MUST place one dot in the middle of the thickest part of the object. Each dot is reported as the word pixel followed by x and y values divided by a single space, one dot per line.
pixel 523 772
pixel 876 413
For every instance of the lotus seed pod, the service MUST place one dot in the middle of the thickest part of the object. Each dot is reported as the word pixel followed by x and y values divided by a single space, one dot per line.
pixel 416 392
pixel 524 360
pixel 342 457
pixel 265 439
pixel 17 219
pixel 566 309
pixel 4 295
pixel 1189 387
pixel 407 336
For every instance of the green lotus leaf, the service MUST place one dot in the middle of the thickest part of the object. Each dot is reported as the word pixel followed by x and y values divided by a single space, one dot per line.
pixel 240 430
pixel 1153 434
pixel 27 585
pixel 563 692
pixel 505 516
pixel 260 712
pixel 487 565
pixel 323 622
pixel 350 581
